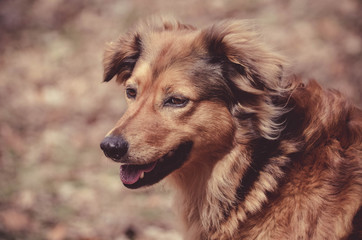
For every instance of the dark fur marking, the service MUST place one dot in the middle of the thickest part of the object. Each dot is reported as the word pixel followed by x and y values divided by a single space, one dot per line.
pixel 357 226
pixel 264 150
pixel 210 82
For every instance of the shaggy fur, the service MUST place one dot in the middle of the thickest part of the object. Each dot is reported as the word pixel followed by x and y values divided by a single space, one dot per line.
pixel 271 158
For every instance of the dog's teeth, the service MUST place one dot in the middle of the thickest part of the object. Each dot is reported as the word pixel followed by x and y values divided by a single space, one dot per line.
pixel 142 175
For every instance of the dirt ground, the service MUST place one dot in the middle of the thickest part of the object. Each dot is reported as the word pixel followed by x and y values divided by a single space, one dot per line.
pixel 55 183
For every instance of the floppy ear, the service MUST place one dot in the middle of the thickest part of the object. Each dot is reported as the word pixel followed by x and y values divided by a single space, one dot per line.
pixel 121 56
pixel 254 73
pixel 241 45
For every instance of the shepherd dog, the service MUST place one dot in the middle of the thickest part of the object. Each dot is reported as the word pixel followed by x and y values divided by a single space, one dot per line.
pixel 252 152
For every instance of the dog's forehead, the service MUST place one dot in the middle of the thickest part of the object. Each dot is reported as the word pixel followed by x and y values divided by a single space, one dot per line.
pixel 166 43
pixel 170 79
pixel 164 55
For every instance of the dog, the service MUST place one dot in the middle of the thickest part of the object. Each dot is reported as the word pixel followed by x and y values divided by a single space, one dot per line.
pixel 252 154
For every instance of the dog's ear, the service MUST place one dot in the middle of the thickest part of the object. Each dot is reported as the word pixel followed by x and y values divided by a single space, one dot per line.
pixel 240 45
pixel 120 57
pixel 254 72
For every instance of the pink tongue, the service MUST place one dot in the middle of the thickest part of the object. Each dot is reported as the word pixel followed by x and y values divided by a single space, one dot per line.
pixel 131 173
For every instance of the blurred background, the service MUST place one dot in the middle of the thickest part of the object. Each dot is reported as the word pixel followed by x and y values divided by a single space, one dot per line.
pixel 55 183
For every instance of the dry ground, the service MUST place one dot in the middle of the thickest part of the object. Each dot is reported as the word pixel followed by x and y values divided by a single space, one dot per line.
pixel 54 181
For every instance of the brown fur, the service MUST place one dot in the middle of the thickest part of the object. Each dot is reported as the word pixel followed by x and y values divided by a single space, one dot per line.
pixel 272 158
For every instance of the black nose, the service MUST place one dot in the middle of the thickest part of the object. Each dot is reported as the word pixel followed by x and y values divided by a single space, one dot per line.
pixel 114 147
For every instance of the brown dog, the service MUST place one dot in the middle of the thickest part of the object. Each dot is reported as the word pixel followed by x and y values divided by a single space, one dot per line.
pixel 253 155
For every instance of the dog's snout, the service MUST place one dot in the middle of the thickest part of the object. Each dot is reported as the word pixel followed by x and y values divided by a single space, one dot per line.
pixel 114 147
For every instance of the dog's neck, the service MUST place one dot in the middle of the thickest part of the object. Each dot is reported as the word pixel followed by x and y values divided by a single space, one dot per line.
pixel 211 194
pixel 191 184
pixel 217 197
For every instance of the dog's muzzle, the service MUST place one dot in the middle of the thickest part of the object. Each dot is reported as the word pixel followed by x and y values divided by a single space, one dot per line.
pixel 114 147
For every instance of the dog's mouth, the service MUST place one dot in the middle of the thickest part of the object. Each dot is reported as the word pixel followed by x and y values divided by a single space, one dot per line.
pixel 135 176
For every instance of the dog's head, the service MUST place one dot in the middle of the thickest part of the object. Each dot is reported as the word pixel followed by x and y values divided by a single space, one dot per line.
pixel 192 94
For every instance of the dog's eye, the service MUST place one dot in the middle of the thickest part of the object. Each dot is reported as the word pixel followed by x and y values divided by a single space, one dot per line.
pixel 176 102
pixel 131 92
